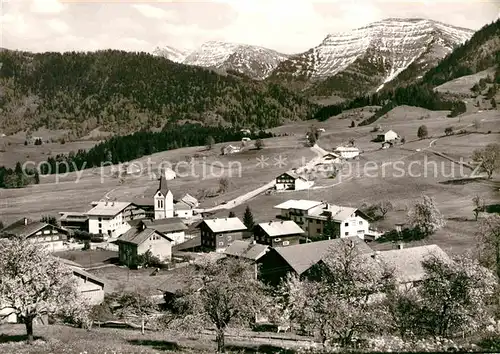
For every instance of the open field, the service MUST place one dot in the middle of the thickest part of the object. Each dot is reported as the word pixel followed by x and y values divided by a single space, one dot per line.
pixel 463 84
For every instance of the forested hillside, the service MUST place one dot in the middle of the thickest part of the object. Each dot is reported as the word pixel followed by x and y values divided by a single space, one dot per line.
pixel 125 92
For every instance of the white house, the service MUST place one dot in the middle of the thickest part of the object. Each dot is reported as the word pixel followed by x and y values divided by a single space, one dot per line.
pixel 292 181
pixel 139 240
pixel 312 216
pixel 347 221
pixel 330 158
pixel 109 218
pixel 389 135
pixel 173 228
pixel 347 152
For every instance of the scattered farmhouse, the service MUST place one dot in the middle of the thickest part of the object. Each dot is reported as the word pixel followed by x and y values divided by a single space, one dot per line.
pixel 230 149
pixel 292 181
pixel 74 221
pixel 330 158
pixel 50 236
pixel 347 152
pixel 173 228
pixel 312 216
pixel 218 234
pixel 110 218
pixel 278 233
pixel 387 144
pixel 298 259
pixel 389 135
pixel 141 239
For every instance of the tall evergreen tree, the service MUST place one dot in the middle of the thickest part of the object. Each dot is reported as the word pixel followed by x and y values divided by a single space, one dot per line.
pixel 248 219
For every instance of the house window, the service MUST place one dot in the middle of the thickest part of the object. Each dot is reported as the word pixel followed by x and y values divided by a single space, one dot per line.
pixel 99 219
pixel 286 243
pixel 360 223
pixel 346 224
pixel 318 231
pixel 360 231
pixel 229 237
pixel 277 240
pixel 347 233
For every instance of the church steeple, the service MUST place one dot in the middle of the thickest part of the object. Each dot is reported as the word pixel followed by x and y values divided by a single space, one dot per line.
pixel 163 188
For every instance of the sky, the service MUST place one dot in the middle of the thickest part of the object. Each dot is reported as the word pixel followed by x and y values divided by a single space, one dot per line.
pixel 289 26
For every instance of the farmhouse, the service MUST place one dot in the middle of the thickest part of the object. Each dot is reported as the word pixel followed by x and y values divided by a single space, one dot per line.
pixel 331 158
pixel 250 251
pixel 389 135
pixel 47 235
pixel 230 149
pixel 297 210
pixel 347 152
pixel 173 228
pixel 407 263
pixel 110 218
pixel 139 240
pixel 218 234
pixel 292 181
pixel 278 233
pixel 74 221
pixel 90 286
pixel 347 221
pixel 298 259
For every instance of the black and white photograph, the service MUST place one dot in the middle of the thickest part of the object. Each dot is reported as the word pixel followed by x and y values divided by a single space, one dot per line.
pixel 249 176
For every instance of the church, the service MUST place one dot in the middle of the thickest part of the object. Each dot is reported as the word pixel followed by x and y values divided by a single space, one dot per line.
pixel 166 206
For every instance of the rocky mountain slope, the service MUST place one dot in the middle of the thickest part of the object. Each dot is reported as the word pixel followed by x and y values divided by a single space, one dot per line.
pixel 363 60
pixel 253 61
pixel 171 53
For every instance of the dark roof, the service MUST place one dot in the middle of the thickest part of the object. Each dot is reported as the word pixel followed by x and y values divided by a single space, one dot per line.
pixel 166 225
pixel 20 228
pixel 137 236
pixel 78 270
pixel 303 256
pixel 163 188
pixel 247 250
pixel 189 244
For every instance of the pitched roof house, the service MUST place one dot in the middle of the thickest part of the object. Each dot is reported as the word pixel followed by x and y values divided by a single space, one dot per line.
pixel 89 285
pixel 47 235
pixel 139 240
pixel 292 181
pixel 218 234
pixel 173 228
pixel 299 258
pixel 247 250
pixel 278 233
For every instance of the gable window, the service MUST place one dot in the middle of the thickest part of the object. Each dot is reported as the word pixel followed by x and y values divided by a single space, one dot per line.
pixel 360 223
pixel 346 224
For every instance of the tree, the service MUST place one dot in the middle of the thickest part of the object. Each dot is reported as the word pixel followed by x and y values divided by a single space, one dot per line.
pixel 488 236
pixel 489 158
pixel 341 295
pixel 422 132
pixel 210 142
pixel 403 140
pixel 352 124
pixel 231 214
pixel 248 219
pixel 330 230
pixel 425 216
pixel 223 185
pixel 448 131
pixel 133 304
pixel 479 205
pixel 312 135
pixel 259 144
pixel 33 283
pixel 49 219
pixel 384 207
pixel 452 298
pixel 223 293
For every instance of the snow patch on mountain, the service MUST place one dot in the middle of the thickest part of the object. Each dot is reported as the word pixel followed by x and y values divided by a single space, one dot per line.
pixel 171 53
